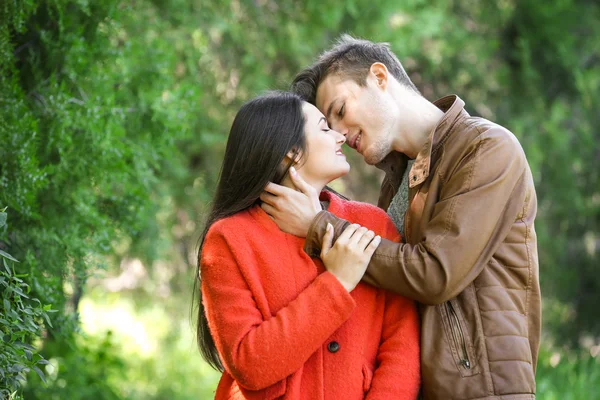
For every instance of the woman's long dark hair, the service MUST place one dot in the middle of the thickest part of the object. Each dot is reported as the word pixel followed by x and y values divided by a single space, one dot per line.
pixel 263 132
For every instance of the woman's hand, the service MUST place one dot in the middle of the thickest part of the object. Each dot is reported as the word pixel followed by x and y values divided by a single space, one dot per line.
pixel 348 258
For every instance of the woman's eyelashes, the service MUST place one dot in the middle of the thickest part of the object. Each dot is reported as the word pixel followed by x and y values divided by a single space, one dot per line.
pixel 341 111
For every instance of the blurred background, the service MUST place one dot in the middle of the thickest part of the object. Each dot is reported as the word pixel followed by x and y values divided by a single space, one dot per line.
pixel 113 122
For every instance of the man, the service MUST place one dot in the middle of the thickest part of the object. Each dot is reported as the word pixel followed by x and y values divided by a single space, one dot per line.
pixel 466 207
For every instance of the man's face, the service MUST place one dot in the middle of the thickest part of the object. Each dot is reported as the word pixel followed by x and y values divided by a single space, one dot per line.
pixel 366 115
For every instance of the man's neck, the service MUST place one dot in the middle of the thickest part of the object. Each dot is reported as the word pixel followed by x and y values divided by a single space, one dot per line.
pixel 419 118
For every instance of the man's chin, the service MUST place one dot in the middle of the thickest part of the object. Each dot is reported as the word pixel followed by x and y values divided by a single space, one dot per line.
pixel 374 154
pixel 372 159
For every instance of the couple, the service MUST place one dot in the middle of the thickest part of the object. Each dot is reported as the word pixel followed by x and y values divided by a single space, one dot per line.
pixel 307 295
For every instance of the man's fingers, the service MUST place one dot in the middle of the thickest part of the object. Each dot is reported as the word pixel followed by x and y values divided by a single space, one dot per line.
pixel 268 198
pixel 299 182
pixel 327 240
pixel 277 190
pixel 269 209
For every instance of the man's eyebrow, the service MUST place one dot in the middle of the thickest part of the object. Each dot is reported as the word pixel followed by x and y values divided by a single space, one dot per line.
pixel 330 108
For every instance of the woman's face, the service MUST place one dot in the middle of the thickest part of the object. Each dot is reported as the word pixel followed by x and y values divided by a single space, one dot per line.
pixel 325 160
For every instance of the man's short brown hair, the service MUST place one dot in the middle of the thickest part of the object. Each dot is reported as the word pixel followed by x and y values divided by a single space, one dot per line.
pixel 350 58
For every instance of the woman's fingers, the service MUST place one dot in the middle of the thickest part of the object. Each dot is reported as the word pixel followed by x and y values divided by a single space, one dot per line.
pixel 327 240
pixel 371 247
pixel 347 234
pixel 364 241
pixel 358 234
pixel 348 258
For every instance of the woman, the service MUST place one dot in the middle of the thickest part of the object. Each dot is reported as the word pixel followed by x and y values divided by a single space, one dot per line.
pixel 284 326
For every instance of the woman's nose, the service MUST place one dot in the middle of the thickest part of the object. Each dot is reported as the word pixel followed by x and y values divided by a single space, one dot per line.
pixel 340 138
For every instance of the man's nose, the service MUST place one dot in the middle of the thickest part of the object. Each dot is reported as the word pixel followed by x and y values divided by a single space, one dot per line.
pixel 341 128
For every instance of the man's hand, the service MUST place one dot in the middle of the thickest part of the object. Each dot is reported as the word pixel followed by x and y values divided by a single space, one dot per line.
pixel 292 210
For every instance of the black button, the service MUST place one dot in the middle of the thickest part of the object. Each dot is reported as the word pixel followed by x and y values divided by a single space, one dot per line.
pixel 333 347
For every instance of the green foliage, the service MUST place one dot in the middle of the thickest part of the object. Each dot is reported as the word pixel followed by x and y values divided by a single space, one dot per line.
pixel 20 325
pixel 91 370
pixel 567 375
pixel 175 370
pixel 84 142
pixel 555 75
pixel 13 15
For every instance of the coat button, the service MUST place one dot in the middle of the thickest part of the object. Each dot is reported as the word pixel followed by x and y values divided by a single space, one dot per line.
pixel 333 347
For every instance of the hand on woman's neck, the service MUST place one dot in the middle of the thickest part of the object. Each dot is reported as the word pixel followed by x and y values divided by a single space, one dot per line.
pixel 287 181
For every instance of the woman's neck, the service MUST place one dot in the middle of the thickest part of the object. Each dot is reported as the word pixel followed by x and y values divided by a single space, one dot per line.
pixel 287 181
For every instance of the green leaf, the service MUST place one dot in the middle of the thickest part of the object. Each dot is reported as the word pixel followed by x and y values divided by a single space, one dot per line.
pixel 17 367
pixel 48 320
pixel 2 218
pixel 4 254
pixel 40 373
pixel 27 346
pixel 19 292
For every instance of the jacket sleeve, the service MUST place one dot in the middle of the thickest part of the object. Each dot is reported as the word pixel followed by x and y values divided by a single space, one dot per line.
pixel 477 207
pixel 398 371
pixel 259 352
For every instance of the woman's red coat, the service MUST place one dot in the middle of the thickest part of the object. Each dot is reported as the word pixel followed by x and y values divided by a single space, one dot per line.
pixel 286 328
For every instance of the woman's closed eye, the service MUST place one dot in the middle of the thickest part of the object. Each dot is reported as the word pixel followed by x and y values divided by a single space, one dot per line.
pixel 341 111
pixel 324 126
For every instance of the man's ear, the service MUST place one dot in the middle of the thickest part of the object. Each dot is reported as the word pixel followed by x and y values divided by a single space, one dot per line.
pixel 379 75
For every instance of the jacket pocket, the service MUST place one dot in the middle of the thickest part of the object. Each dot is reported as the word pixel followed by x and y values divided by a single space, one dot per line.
pixel 458 338
pixel 367 378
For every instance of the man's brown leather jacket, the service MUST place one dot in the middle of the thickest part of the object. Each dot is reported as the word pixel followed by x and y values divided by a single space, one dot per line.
pixel 470 258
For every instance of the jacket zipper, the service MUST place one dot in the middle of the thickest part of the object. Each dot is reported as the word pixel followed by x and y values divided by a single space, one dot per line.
pixel 459 337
